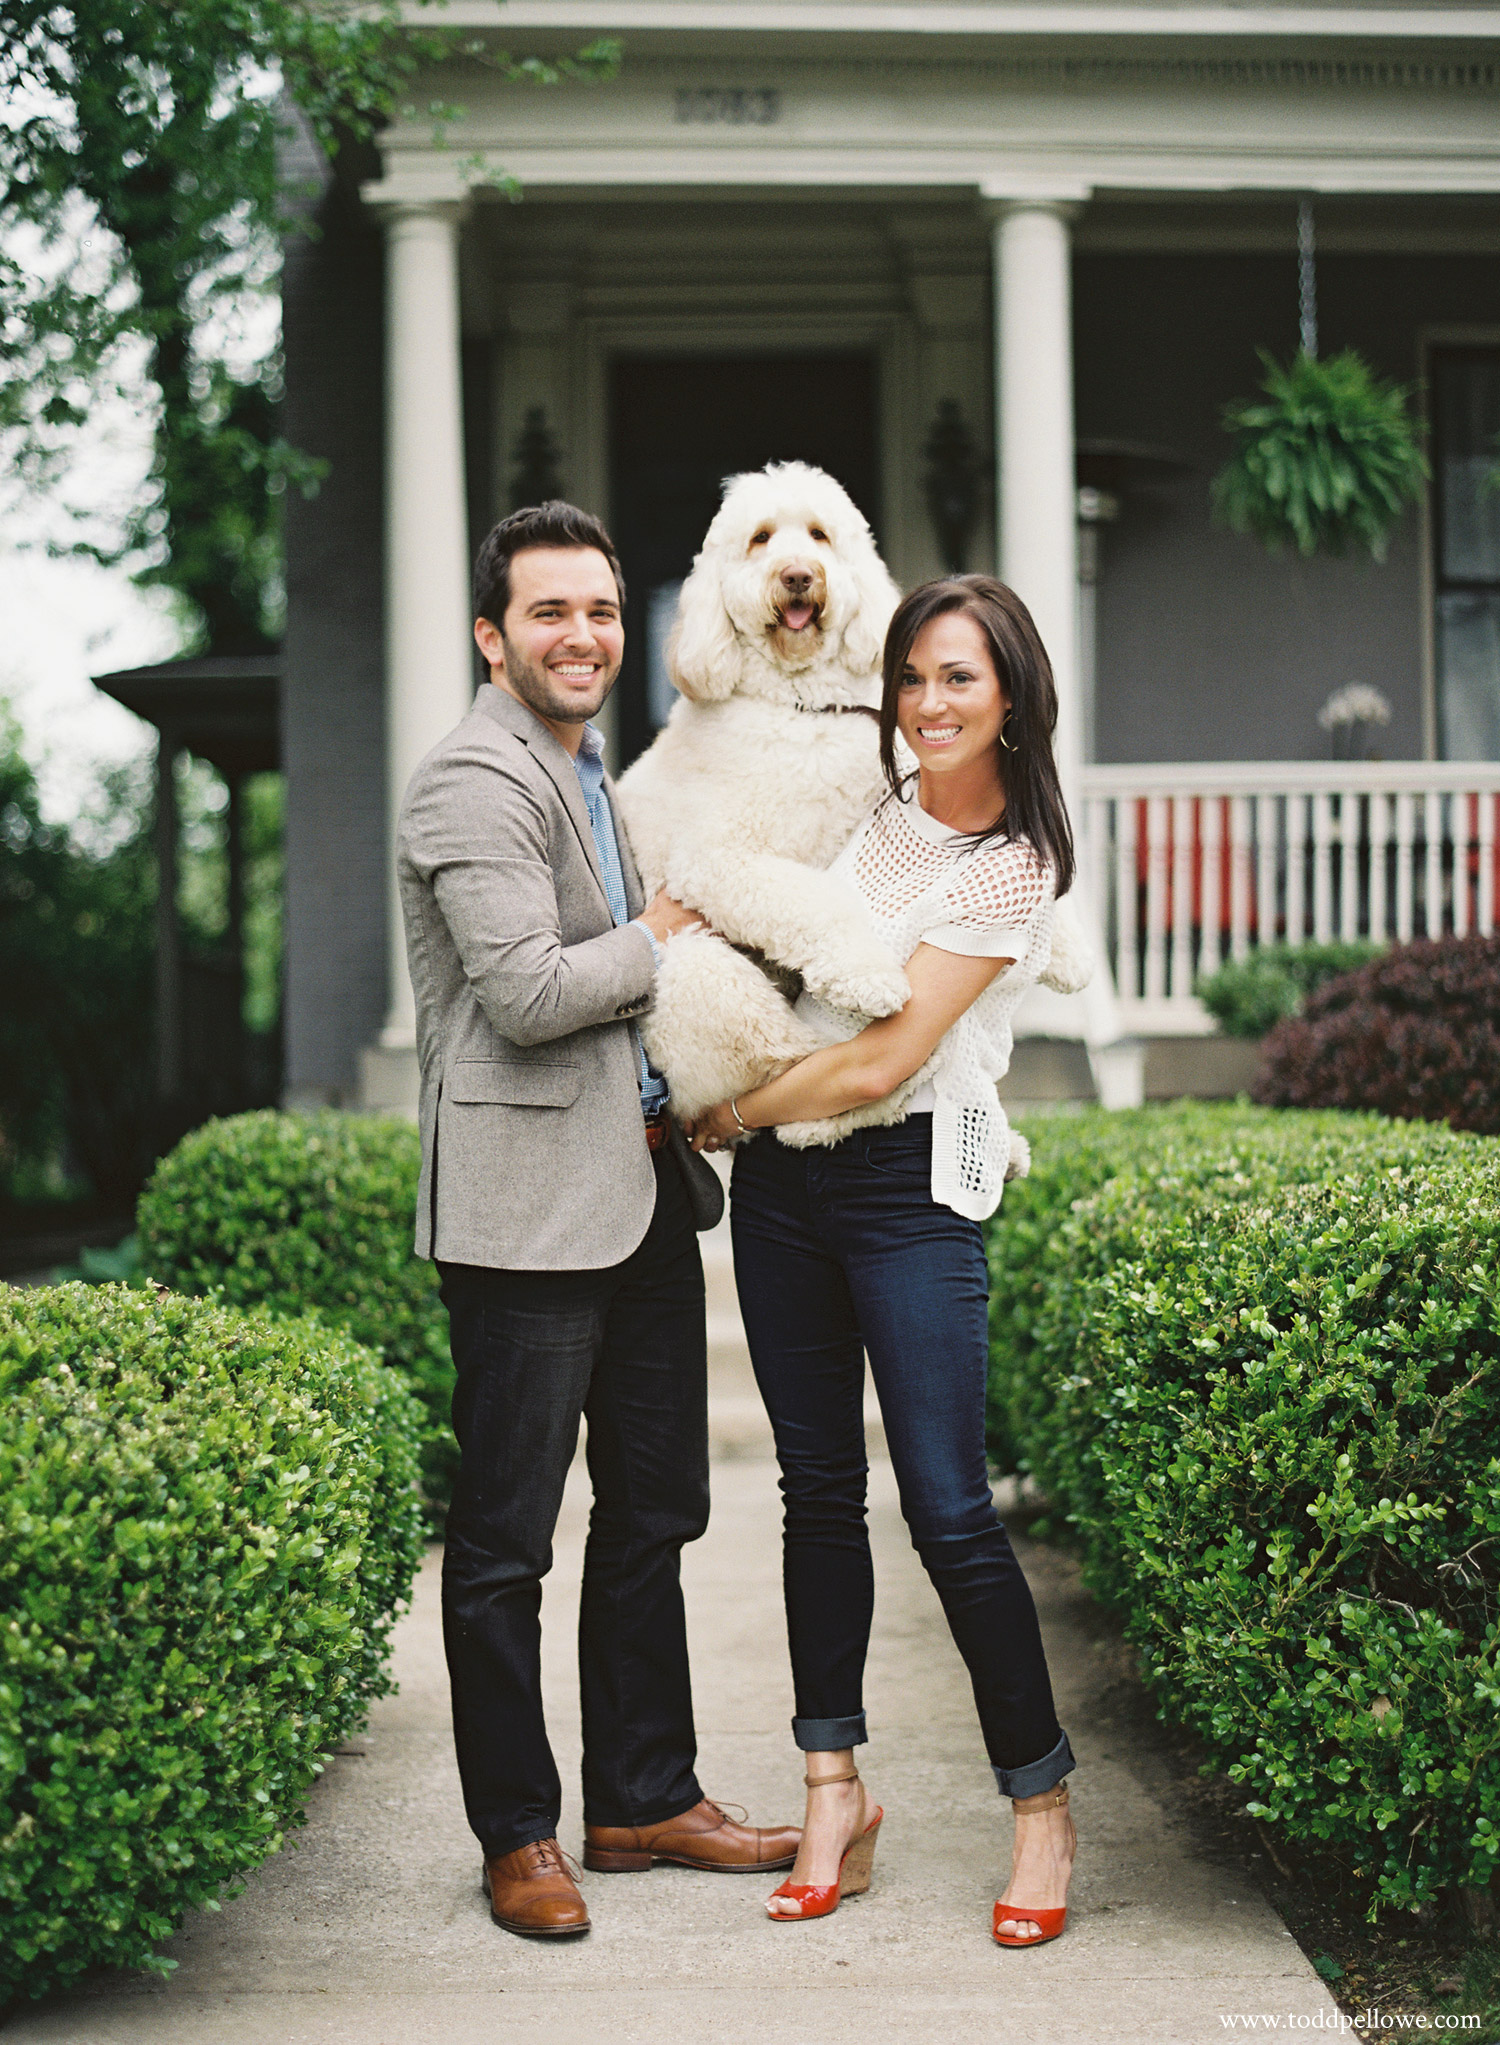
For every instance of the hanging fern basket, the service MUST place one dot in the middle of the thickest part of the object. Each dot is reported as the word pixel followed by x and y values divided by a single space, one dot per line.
pixel 1325 462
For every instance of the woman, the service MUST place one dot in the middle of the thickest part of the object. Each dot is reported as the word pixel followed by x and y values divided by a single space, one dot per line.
pixel 873 1244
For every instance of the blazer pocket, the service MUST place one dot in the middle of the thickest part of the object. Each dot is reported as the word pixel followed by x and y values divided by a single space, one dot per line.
pixel 489 1082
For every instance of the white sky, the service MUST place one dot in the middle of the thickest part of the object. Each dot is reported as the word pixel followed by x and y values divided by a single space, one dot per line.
pixel 64 620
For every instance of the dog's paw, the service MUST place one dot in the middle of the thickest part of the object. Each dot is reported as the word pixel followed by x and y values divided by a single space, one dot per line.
pixel 1019 1162
pixel 864 988
pixel 1070 966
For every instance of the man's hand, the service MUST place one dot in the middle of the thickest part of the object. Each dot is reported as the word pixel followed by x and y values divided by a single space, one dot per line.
pixel 715 1129
pixel 664 916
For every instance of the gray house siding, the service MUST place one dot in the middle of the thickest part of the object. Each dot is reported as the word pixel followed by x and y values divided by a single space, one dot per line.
pixel 333 709
pixel 1208 647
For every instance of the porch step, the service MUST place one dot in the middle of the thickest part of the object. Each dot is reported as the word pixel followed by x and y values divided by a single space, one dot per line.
pixel 1049 1073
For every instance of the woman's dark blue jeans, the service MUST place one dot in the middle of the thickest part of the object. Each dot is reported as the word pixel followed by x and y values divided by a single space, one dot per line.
pixel 839 1252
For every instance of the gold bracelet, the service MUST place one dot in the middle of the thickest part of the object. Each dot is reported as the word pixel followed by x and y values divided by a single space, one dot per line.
pixel 734 1109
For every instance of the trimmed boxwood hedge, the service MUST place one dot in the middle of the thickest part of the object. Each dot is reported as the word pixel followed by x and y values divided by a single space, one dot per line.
pixel 1253 1359
pixel 310 1214
pixel 1249 996
pixel 208 1522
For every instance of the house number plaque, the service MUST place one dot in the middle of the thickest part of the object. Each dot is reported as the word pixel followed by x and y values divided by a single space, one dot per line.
pixel 728 106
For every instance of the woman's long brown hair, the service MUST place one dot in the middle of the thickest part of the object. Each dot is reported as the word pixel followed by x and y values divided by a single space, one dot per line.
pixel 1034 806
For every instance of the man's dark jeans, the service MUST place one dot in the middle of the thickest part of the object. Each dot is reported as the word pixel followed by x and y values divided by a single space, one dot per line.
pixel 535 1349
pixel 839 1251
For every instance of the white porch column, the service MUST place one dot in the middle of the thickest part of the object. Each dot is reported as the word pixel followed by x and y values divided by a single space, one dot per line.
pixel 429 671
pixel 1037 505
pixel 1036 489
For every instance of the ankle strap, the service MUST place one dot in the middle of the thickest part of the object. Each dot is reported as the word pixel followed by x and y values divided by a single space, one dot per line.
pixel 1044 1800
pixel 817 1781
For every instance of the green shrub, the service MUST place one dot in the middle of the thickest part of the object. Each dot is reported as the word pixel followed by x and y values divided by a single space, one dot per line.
pixel 1260 1376
pixel 208 1521
pixel 1181 1146
pixel 310 1214
pixel 1071 1156
pixel 1250 996
pixel 118 1265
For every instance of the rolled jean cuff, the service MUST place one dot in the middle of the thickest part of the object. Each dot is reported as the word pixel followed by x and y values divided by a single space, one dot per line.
pixel 829 1735
pixel 1037 1776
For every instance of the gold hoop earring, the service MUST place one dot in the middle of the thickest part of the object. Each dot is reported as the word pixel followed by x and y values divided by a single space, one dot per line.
pixel 1003 739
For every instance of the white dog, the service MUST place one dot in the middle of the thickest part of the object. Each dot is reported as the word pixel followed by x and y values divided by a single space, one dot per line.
pixel 764 769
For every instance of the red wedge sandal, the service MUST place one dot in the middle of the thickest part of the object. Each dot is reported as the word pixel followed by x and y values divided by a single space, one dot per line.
pixel 821 1899
pixel 1049 1923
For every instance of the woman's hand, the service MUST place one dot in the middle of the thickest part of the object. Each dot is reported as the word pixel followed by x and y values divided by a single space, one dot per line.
pixel 714 1129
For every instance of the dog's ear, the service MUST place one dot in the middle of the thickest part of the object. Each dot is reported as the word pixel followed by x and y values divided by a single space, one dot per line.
pixel 876 598
pixel 702 653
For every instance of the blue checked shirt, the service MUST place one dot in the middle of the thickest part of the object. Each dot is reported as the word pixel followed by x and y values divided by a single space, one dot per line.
pixel 589 760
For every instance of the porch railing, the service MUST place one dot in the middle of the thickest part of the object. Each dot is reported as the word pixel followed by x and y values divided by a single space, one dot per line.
pixel 1192 865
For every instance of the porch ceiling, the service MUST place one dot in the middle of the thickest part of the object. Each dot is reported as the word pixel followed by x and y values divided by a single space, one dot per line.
pixel 788 233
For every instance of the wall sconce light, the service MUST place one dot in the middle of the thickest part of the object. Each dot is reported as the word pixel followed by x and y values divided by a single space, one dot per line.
pixel 952 484
pixel 537 474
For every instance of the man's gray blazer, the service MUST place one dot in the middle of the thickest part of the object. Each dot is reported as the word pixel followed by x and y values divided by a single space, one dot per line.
pixel 534 1151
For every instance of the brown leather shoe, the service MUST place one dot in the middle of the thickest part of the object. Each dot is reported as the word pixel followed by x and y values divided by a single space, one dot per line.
pixel 532 1891
pixel 703 1837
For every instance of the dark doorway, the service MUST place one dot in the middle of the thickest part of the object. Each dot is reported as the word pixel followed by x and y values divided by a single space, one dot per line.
pixel 678 426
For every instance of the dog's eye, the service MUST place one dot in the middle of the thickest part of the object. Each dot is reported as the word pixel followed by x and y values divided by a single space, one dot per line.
pixel 817 533
pixel 760 539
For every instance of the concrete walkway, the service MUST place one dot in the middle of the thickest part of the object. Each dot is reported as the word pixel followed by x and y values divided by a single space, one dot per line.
pixel 369 1929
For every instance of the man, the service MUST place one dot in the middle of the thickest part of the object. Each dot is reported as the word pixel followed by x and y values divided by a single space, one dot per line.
pixel 560 1202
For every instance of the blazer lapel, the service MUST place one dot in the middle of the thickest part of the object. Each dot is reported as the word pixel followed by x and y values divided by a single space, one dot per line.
pixel 635 893
pixel 558 766
pixel 556 763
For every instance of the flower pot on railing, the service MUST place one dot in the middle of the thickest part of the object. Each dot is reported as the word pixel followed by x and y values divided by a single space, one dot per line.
pixel 1350 715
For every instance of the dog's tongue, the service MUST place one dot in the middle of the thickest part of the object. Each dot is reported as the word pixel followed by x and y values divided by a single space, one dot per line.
pixel 798 615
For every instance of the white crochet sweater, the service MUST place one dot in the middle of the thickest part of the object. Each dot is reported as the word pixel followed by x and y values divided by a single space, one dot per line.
pixel 923 883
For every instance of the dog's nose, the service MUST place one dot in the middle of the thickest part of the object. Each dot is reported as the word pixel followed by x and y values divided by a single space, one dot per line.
pixel 795 579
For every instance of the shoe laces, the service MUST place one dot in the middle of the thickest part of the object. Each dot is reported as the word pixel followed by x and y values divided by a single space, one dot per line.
pixel 544 1854
pixel 725 1810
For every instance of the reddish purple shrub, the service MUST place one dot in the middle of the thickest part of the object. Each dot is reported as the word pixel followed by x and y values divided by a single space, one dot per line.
pixel 1414 1034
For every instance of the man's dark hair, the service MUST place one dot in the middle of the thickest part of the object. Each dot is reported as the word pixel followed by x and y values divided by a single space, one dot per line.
pixel 553 524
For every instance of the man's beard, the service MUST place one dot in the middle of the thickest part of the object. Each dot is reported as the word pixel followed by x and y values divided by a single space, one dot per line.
pixel 533 684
